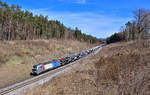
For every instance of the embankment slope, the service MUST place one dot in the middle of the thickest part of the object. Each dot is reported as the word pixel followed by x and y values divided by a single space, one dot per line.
pixel 118 69
pixel 18 57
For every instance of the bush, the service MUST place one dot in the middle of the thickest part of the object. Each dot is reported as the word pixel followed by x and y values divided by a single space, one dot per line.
pixel 115 38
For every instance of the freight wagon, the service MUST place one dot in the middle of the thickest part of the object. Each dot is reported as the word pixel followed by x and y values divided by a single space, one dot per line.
pixel 43 67
pixel 65 60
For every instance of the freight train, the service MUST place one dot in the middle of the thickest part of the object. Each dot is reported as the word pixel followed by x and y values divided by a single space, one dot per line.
pixel 43 67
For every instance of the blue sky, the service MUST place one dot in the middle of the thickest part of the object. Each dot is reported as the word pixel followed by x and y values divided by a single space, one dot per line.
pixel 100 18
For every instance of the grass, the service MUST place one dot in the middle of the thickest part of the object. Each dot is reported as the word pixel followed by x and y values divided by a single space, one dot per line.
pixel 18 57
pixel 3 59
pixel 119 69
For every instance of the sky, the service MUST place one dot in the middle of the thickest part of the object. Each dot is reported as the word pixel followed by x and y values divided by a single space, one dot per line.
pixel 99 18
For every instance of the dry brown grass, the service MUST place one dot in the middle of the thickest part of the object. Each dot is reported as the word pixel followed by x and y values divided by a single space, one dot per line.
pixel 79 81
pixel 119 69
pixel 18 57
pixel 127 67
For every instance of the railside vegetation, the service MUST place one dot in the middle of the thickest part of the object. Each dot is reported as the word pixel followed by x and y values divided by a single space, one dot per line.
pixel 137 29
pixel 18 24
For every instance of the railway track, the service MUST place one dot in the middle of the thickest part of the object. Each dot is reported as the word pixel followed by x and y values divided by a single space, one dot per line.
pixel 14 87
pixel 37 80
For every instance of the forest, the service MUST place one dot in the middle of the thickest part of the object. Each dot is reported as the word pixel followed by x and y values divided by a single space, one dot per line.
pixel 17 24
pixel 136 29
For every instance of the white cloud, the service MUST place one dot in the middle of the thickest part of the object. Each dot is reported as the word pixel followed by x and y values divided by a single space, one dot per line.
pixel 39 10
pixel 81 1
pixel 74 1
pixel 99 25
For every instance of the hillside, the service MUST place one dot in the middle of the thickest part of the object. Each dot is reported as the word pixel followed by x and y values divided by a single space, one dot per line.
pixel 18 57
pixel 118 69
pixel 21 24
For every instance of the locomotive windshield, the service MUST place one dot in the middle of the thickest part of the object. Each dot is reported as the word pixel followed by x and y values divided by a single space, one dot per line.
pixel 35 66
